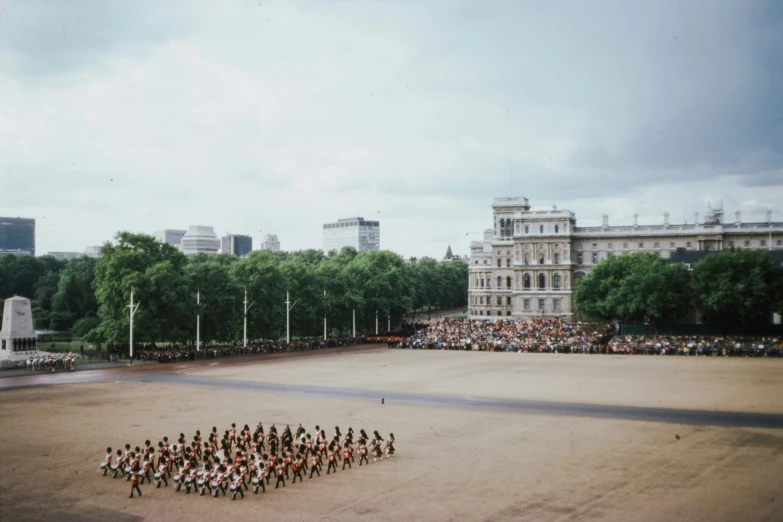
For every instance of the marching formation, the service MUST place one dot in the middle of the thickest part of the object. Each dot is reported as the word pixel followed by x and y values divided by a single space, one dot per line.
pixel 49 362
pixel 240 460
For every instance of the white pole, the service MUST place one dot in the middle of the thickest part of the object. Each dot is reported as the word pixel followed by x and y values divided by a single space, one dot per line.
pixel 324 314
pixel 376 322
pixel 287 318
pixel 354 322
pixel 198 319
pixel 388 327
pixel 131 326
pixel 244 334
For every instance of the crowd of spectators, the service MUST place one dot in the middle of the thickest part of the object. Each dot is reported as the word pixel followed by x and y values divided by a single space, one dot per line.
pixel 698 345
pixel 189 353
pixel 537 335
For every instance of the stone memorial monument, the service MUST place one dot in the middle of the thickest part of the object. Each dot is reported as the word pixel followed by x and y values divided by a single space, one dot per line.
pixel 17 338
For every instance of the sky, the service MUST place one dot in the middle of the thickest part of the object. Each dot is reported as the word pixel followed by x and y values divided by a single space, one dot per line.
pixel 271 116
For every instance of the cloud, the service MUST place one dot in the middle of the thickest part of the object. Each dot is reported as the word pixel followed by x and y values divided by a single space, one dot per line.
pixel 280 116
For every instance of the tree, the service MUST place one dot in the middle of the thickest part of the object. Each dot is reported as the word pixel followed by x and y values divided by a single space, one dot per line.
pixel 738 285
pixel 156 272
pixel 636 287
pixel 220 307
pixel 75 295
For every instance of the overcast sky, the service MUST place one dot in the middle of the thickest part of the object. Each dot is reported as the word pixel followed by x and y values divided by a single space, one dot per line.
pixel 281 116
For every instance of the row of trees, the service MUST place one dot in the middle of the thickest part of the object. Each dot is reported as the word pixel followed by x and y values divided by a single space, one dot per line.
pixel 735 286
pixel 91 296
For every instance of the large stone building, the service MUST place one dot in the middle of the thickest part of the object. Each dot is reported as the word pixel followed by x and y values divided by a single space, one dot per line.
pixel 270 242
pixel 526 265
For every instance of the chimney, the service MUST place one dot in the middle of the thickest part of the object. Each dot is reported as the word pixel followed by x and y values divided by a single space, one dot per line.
pixel 666 219
pixel 636 220
pixel 606 221
pixel 737 217
pixel 769 216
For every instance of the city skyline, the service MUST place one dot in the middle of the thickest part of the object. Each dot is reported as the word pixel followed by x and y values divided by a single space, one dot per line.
pixel 123 120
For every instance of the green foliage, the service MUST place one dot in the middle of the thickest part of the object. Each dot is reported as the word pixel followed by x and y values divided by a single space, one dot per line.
pixel 738 285
pixel 75 296
pixel 636 287
pixel 35 278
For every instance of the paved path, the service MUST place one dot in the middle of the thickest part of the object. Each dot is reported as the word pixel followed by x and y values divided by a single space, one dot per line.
pixel 168 374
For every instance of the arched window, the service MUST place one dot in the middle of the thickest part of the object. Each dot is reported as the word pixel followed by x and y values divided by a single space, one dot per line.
pixel 557 229
pixel 579 259
pixel 541 228
pixel 526 281
pixel 557 258
pixel 541 281
pixel 527 229
pixel 502 227
pixel 541 259
pixel 482 282
pixel 556 281
pixel 508 282
pixel 595 258
pixel 508 263
pixel 500 282
pixel 499 263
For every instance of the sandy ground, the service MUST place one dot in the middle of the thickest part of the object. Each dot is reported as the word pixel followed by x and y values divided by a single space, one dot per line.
pixel 708 383
pixel 452 464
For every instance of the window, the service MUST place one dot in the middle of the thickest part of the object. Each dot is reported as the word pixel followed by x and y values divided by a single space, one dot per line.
pixel 763 242
pixel 541 228
pixel 526 281
pixel 486 262
pixel 541 259
pixel 780 242
pixel 747 243
pixel 500 283
pixel 527 259
pixel 527 304
pixel 657 245
pixel 610 245
pixel 481 312
pixel 500 301
pixel 481 300
pixel 688 244
pixel 672 244
pixel 508 252
pixel 557 258
pixel 557 304
pixel 595 245
pixel 641 245
pixel 541 281
pixel 508 301
pixel 540 304
pixel 556 281
pixel 476 262
pixel 625 245
pixel 499 263
pixel 508 313
pixel 731 244
pixel 527 229
pixel 595 258
pixel 508 263
pixel 579 259
pixel 488 282
pixel 557 229
pixel 482 282
pixel 508 282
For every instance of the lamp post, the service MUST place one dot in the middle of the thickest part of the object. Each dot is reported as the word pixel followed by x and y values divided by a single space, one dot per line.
pixel 132 313
pixel 247 307
pixel 354 322
pixel 376 322
pixel 288 308
pixel 198 319
pixel 324 314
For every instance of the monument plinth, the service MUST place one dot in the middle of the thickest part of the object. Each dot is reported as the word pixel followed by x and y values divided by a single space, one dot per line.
pixel 17 337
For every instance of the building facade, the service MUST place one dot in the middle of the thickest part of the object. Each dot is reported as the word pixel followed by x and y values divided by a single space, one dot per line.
pixel 170 236
pixel 527 263
pixel 62 256
pixel 17 236
pixel 93 251
pixel 236 244
pixel 364 236
pixel 200 239
pixel 271 243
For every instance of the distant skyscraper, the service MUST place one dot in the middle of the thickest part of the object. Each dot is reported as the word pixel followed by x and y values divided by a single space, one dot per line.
pixel 271 242
pixel 92 251
pixel 238 245
pixel 17 235
pixel 200 239
pixel 364 236
pixel 170 236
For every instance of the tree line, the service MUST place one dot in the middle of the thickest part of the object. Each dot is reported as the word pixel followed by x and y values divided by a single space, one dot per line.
pixel 732 286
pixel 90 297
